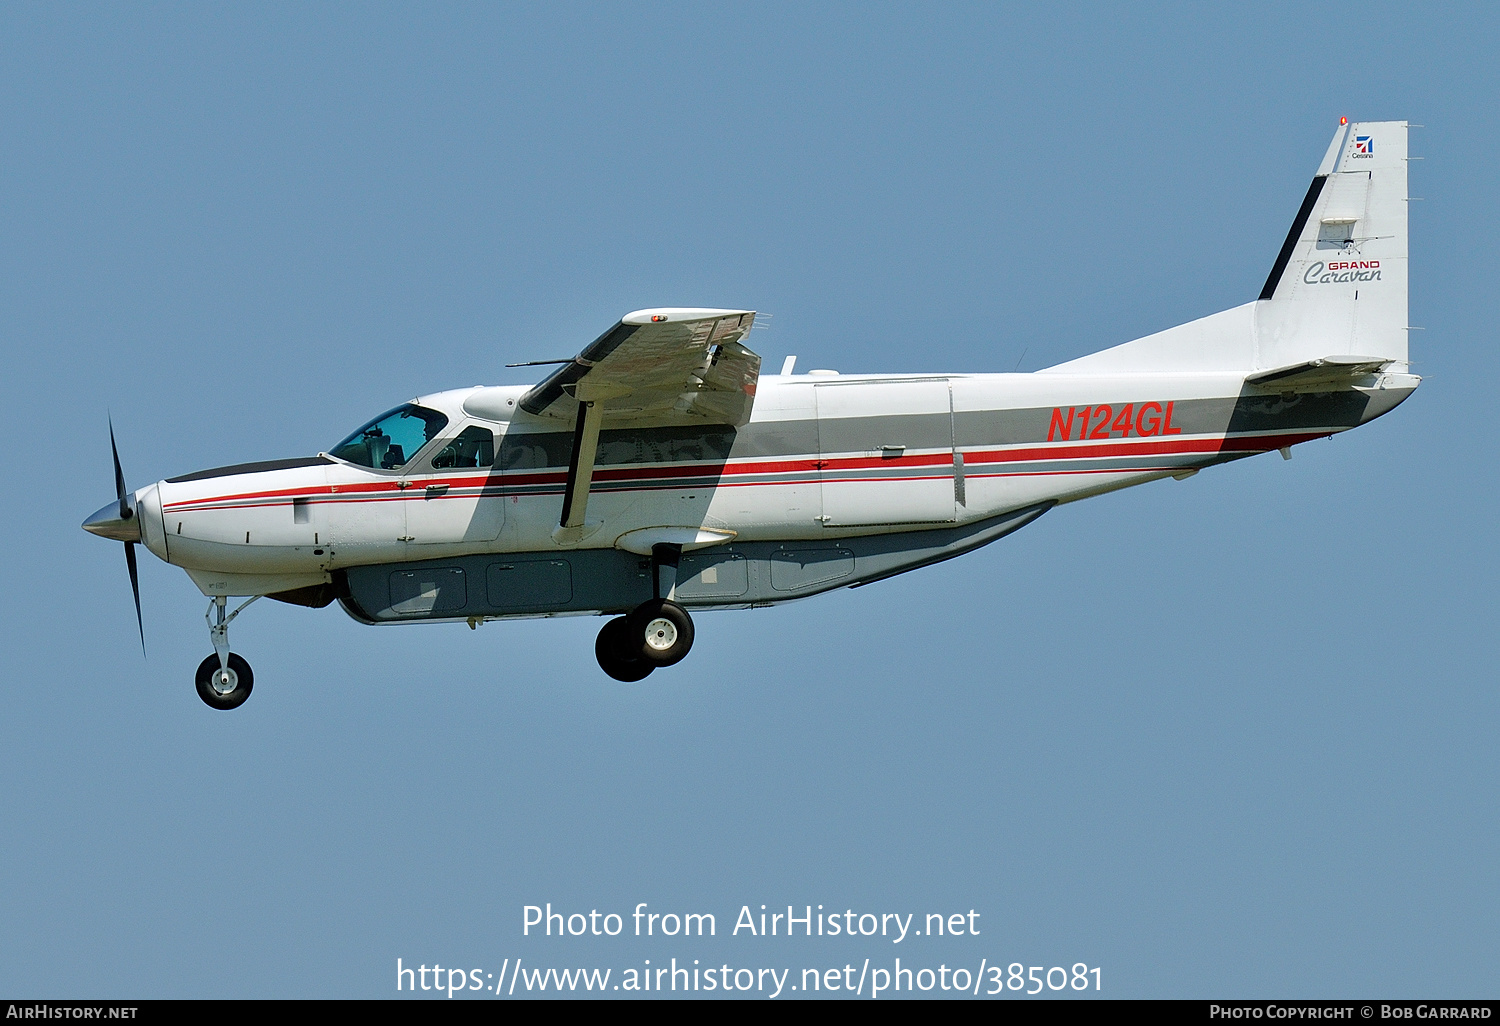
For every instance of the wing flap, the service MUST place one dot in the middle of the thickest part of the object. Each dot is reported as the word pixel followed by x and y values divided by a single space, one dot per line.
pixel 662 367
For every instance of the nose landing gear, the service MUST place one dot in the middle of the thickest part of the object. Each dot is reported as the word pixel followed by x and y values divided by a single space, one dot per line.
pixel 224 687
pixel 224 679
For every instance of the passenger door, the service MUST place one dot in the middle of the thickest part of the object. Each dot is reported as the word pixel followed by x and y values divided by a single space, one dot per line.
pixel 885 452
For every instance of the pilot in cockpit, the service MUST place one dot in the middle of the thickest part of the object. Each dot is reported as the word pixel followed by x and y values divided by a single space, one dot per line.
pixel 383 442
pixel 378 445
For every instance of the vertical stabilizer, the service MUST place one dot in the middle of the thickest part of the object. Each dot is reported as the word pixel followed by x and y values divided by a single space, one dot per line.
pixel 1338 286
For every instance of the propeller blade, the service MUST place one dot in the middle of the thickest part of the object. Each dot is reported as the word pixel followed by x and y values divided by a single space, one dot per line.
pixel 135 588
pixel 119 478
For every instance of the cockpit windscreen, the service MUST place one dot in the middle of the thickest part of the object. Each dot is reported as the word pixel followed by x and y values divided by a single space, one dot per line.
pixel 391 439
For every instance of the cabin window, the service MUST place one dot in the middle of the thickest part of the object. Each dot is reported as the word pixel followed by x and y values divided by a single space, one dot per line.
pixel 389 441
pixel 473 448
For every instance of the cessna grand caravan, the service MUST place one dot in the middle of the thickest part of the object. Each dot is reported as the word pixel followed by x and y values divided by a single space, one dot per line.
pixel 659 472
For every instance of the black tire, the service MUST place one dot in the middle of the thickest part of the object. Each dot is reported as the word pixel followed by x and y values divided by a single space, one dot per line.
pixel 611 648
pixel 243 681
pixel 661 631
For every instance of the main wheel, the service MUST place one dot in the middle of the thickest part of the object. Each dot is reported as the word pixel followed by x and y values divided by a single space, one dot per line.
pixel 223 693
pixel 661 631
pixel 612 649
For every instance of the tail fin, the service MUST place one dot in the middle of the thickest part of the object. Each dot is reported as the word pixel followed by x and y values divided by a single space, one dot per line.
pixel 1339 284
pixel 1337 288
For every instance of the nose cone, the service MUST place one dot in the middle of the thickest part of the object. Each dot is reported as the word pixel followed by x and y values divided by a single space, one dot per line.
pixel 107 523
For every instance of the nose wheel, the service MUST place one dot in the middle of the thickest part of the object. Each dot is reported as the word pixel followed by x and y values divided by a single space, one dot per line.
pixel 224 686
pixel 224 678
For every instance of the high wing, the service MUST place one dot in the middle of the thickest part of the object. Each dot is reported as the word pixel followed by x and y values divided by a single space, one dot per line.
pixel 659 368
pixel 667 367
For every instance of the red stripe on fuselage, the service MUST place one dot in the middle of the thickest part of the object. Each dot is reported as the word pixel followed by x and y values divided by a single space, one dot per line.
pixel 367 491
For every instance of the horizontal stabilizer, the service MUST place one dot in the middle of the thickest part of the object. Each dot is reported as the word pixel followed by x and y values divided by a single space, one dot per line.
pixel 1330 370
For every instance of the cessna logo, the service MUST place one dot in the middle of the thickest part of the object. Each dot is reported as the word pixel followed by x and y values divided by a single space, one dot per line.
pixel 1320 273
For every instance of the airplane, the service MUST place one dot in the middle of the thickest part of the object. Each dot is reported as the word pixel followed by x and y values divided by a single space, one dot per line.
pixel 659 472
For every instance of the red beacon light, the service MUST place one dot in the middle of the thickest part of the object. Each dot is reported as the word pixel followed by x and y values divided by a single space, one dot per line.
pixel 658 317
pixel 1343 121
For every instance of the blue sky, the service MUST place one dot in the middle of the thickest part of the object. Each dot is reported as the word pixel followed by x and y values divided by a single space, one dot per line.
pixel 1227 737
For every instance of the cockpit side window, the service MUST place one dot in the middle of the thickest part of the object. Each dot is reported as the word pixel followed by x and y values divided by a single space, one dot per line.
pixel 391 439
pixel 474 447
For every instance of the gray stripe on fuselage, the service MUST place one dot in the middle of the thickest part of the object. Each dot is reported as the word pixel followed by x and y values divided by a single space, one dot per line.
pixel 1311 411
pixel 1244 413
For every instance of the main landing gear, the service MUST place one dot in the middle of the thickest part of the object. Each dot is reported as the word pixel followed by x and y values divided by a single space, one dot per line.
pixel 658 632
pixel 224 679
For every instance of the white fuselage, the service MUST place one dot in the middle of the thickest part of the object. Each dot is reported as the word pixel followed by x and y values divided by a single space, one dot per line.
pixel 823 456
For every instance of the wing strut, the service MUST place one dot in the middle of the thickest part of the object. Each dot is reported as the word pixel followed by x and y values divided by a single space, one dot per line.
pixel 678 368
pixel 581 464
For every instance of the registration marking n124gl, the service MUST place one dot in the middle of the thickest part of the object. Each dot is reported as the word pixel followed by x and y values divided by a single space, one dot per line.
pixel 1104 421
